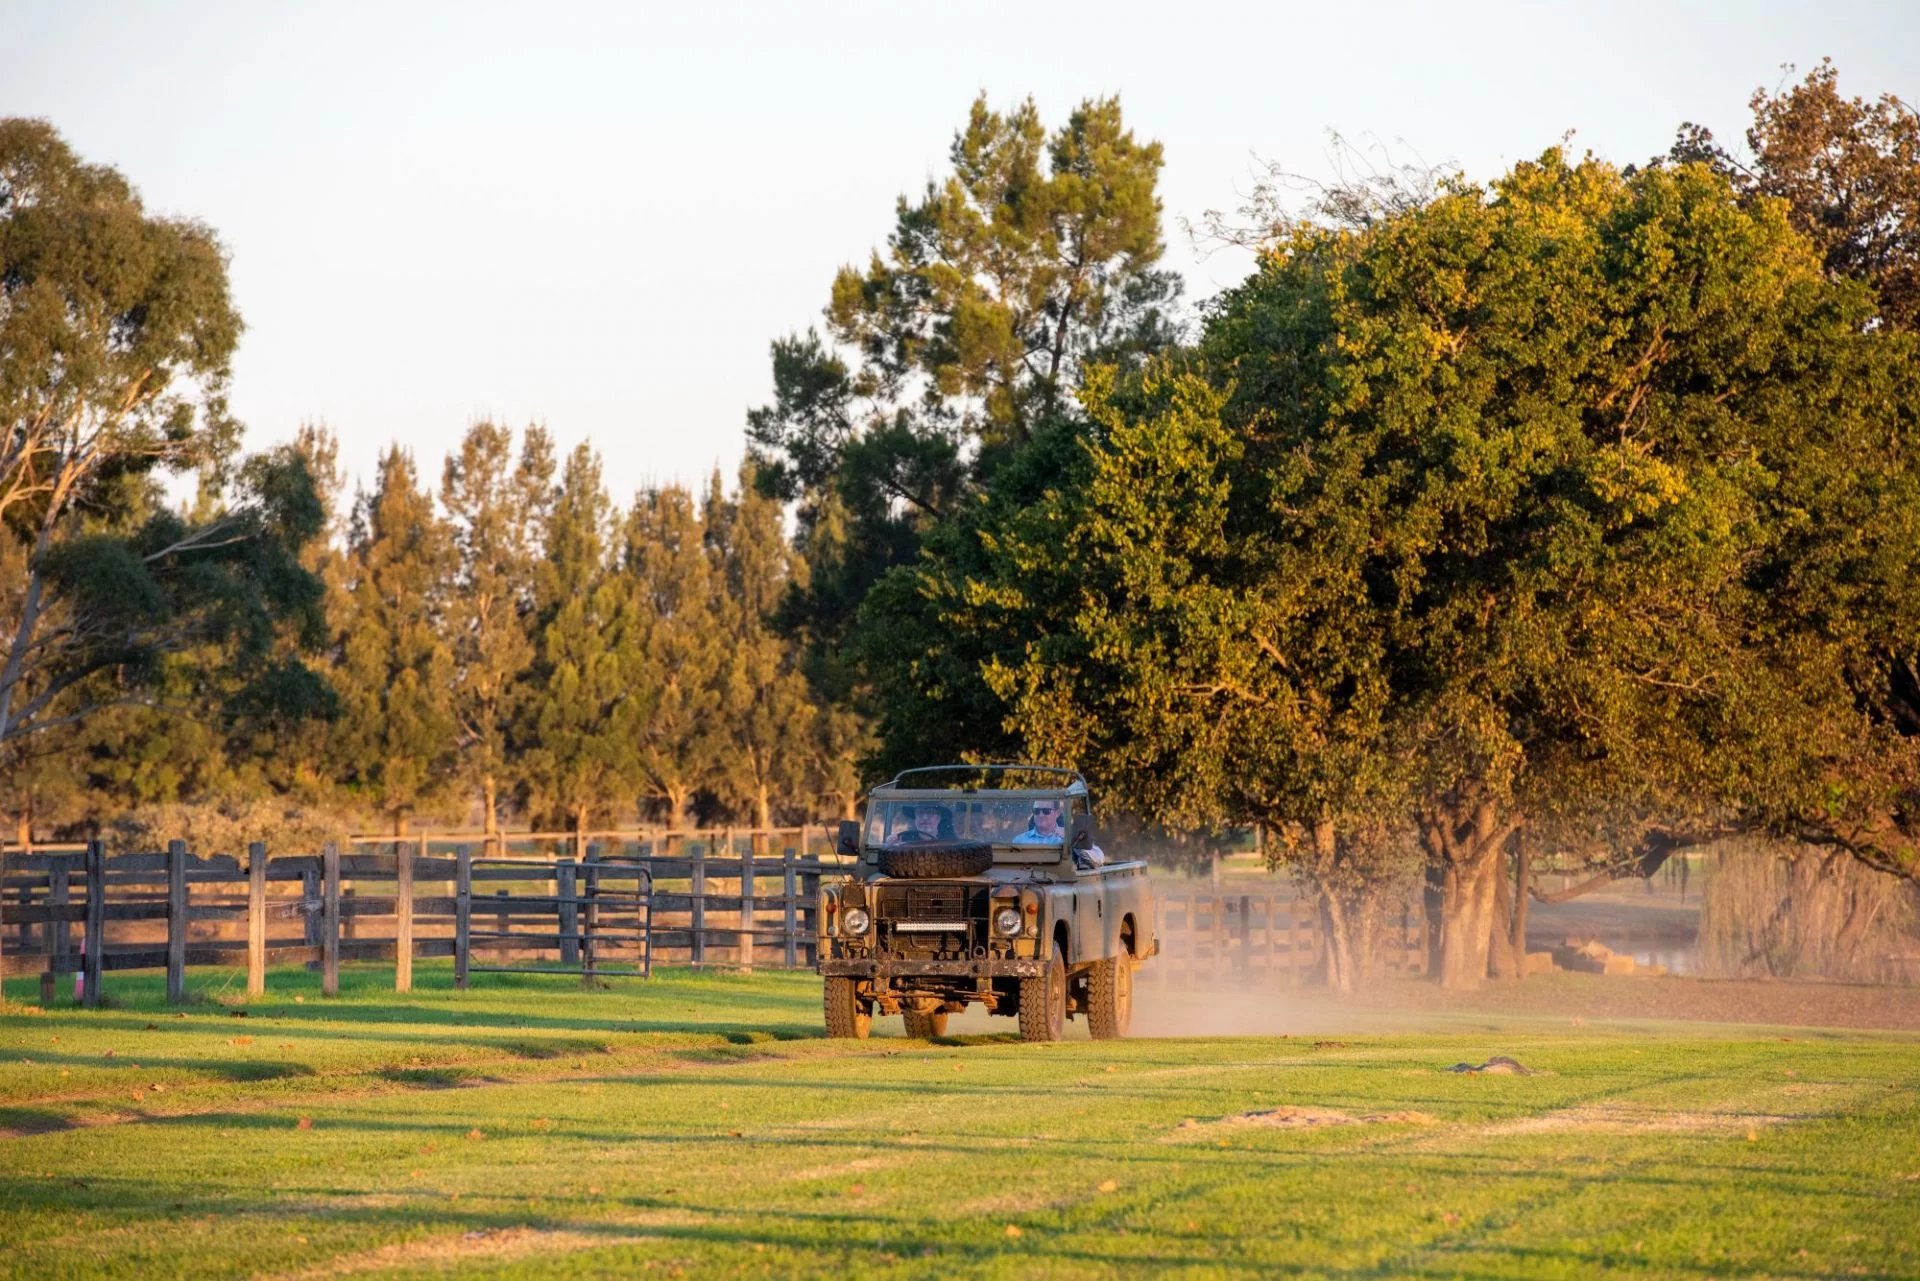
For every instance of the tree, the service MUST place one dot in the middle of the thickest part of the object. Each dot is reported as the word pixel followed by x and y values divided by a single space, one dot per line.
pixel 116 339
pixel 396 743
pixel 1529 506
pixel 1035 259
pixel 1849 173
pixel 763 702
pixel 498 510
pixel 667 559
pixel 583 722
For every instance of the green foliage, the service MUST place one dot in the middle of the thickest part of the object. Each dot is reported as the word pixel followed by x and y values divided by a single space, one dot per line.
pixel 498 511
pixel 395 748
pixel 116 334
pixel 671 568
pixel 580 733
pixel 952 351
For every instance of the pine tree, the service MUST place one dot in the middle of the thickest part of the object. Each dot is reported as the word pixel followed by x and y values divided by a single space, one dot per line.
pixel 498 510
pixel 667 560
pixel 763 697
pixel 395 744
pixel 587 705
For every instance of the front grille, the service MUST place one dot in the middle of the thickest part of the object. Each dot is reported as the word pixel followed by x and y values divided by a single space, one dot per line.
pixel 936 903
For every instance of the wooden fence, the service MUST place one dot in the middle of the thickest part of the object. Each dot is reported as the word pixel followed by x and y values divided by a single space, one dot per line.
pixel 83 913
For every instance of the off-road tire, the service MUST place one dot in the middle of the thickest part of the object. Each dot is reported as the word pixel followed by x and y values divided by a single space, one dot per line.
pixel 1110 998
pixel 1043 1001
pixel 848 1018
pixel 936 859
pixel 924 1027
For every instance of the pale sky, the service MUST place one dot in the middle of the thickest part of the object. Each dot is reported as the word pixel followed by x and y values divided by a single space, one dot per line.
pixel 597 216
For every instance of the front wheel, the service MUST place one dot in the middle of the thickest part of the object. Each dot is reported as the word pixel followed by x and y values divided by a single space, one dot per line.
pixel 1043 1001
pixel 924 1027
pixel 1110 998
pixel 848 1017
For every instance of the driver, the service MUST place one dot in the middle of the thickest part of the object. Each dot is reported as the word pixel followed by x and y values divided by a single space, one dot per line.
pixel 930 823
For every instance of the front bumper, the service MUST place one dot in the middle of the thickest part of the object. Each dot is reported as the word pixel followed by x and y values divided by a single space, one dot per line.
pixel 995 967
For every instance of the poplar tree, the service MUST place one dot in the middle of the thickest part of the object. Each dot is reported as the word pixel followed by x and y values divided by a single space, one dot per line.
pixel 498 509
pixel 675 586
pixel 587 705
pixel 396 743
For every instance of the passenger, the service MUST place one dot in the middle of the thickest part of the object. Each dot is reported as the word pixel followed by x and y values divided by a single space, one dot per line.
pixel 1044 829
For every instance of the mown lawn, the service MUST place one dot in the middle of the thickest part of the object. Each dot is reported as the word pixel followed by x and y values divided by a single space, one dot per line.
pixel 698 1125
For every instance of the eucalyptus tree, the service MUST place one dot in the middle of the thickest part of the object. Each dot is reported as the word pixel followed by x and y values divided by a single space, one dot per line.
pixel 117 332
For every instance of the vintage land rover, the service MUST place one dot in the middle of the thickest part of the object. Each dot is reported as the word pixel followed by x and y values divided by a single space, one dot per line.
pixel 982 884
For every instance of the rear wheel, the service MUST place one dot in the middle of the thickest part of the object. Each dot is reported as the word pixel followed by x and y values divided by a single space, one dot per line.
pixel 847 1015
pixel 925 1027
pixel 1043 1001
pixel 1110 998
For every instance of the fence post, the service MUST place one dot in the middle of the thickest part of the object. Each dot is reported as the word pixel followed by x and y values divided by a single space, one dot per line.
pixel 256 919
pixel 403 914
pixel 462 914
pixel 698 886
pixel 566 884
pixel 790 917
pixel 745 935
pixel 1300 945
pixel 58 933
pixel 93 939
pixel 590 915
pixel 330 920
pixel 1244 961
pixel 176 922
pixel 810 893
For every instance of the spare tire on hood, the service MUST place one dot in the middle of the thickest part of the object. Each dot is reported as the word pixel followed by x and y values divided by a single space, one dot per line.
pixel 927 859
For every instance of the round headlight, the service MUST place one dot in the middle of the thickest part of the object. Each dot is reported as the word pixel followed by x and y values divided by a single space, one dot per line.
pixel 855 920
pixel 1007 921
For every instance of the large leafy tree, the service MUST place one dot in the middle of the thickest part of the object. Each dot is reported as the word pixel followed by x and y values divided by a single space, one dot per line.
pixel 497 507
pixel 1559 503
pixel 117 333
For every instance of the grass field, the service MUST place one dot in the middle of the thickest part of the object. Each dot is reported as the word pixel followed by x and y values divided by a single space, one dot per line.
pixel 697 1125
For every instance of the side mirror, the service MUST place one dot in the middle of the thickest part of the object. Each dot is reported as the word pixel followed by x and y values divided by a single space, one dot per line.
pixel 848 842
pixel 1080 833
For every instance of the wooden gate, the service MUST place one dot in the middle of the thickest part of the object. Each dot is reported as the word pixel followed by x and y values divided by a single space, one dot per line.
pixel 600 911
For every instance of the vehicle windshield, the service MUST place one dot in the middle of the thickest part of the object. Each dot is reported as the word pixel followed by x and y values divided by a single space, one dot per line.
pixel 1026 821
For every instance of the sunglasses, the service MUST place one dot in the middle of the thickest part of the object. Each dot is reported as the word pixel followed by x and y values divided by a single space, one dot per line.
pixel 1045 809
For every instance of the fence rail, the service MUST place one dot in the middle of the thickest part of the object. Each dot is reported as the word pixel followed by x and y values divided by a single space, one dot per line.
pixel 599 916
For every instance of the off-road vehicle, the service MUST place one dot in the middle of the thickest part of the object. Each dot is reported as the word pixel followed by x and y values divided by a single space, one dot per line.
pixel 982 885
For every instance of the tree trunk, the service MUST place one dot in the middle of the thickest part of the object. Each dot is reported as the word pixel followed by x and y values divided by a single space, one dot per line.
pixel 23 828
pixel 1522 900
pixel 1470 842
pixel 490 791
pixel 1501 962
